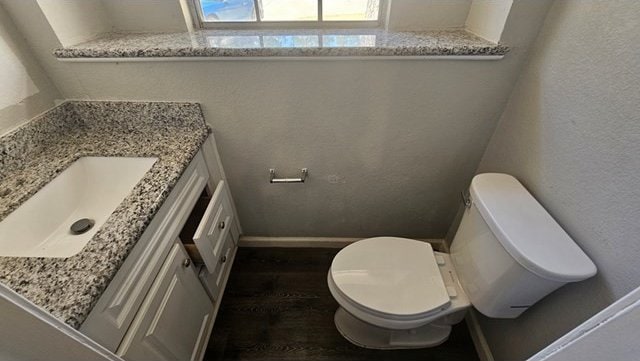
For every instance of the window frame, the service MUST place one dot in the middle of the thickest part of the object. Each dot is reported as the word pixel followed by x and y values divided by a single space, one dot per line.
pixel 199 21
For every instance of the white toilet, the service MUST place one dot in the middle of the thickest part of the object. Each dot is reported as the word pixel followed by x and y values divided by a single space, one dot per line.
pixel 507 254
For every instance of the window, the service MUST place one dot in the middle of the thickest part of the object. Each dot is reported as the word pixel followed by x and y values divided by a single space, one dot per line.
pixel 288 13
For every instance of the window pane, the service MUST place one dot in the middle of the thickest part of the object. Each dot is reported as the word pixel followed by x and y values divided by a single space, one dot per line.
pixel 350 9
pixel 228 10
pixel 289 10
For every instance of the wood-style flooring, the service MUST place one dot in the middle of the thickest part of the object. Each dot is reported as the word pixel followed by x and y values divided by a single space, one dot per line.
pixel 277 307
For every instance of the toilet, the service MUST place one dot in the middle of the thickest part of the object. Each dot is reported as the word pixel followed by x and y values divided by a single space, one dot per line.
pixel 507 254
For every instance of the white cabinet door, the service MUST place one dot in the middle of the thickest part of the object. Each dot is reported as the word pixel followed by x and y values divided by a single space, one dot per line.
pixel 175 320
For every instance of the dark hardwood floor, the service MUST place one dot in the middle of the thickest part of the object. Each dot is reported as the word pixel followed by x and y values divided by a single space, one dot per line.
pixel 277 307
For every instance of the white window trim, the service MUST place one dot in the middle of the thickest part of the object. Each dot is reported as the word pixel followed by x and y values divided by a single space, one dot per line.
pixel 198 17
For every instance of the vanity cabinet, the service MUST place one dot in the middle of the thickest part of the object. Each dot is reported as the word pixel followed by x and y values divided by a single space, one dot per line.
pixel 162 302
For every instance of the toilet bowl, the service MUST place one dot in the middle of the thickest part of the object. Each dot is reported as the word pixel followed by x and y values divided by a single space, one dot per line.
pixel 395 293
pixel 507 254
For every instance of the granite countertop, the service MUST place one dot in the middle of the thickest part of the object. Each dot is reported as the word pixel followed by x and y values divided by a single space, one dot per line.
pixel 35 153
pixel 284 43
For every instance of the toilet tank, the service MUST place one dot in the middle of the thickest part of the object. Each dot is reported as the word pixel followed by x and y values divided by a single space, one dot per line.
pixel 509 252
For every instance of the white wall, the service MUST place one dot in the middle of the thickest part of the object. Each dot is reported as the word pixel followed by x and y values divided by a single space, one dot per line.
pixel 403 137
pixel 76 21
pixel 25 90
pixel 16 82
pixel 571 134
pixel 145 15
pixel 487 18
pixel 427 14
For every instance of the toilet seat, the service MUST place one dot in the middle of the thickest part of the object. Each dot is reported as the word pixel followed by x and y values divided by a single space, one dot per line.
pixel 394 281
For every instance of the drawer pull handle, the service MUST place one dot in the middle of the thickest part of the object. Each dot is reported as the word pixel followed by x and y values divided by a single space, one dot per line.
pixel 221 225
pixel 186 263
pixel 303 176
pixel 223 259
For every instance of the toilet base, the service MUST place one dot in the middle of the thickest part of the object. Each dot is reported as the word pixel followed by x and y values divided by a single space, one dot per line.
pixel 366 335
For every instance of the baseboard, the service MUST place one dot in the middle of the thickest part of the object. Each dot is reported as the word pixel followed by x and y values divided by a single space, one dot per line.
pixel 311 242
pixel 482 346
pixel 296 242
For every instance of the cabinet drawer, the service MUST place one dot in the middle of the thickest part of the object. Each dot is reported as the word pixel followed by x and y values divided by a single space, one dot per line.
pixel 214 281
pixel 175 318
pixel 212 232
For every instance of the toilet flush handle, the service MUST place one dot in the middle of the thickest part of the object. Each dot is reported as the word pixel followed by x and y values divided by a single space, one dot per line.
pixel 466 199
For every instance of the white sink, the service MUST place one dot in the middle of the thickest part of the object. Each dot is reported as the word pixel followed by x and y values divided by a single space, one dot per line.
pixel 92 187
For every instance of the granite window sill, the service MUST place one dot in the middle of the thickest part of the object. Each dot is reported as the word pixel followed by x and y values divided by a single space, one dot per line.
pixel 228 44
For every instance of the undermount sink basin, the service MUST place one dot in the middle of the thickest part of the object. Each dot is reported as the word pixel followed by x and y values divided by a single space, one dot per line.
pixel 91 189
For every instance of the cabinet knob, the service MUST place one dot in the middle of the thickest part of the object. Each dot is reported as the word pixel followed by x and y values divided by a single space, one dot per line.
pixel 221 225
pixel 186 263
pixel 223 259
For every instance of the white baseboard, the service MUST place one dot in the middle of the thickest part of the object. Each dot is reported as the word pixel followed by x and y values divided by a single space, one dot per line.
pixel 310 242
pixel 297 242
pixel 482 346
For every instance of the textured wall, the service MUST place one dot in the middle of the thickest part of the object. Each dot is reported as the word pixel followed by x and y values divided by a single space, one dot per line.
pixel 427 14
pixel 32 92
pixel 389 143
pixel 487 18
pixel 75 21
pixel 571 134
pixel 145 15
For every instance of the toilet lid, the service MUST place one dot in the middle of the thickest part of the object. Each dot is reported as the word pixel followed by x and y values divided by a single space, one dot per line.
pixel 395 276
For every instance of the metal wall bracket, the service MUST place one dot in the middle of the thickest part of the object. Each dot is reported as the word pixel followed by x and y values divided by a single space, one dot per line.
pixel 303 176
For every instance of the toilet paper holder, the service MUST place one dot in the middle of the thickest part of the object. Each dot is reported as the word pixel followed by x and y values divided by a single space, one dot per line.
pixel 303 176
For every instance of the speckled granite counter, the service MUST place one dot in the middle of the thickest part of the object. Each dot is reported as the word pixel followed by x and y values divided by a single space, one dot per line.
pixel 35 153
pixel 283 43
